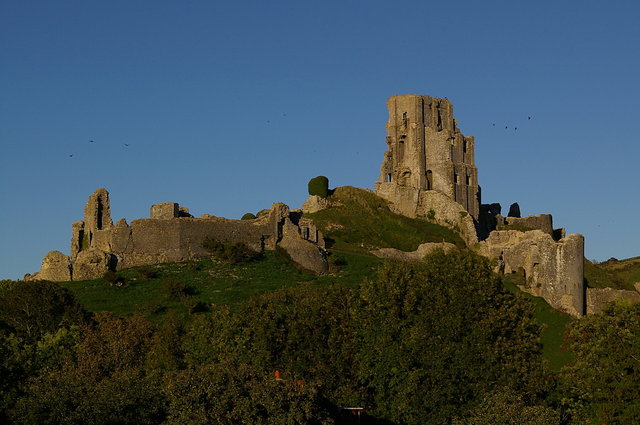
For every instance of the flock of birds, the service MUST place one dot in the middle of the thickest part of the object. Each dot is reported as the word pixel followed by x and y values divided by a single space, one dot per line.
pixel 126 145
pixel 515 128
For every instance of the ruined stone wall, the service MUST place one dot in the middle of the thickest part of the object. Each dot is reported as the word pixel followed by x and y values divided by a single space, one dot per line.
pixel 599 298
pixel 426 151
pixel 165 211
pixel 152 241
pixel 97 213
pixel 542 222
pixel 553 269
pixel 172 234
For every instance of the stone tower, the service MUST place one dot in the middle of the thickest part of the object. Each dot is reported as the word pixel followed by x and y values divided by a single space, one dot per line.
pixel 427 152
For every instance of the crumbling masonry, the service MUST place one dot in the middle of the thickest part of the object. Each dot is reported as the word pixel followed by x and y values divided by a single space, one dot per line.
pixel 172 234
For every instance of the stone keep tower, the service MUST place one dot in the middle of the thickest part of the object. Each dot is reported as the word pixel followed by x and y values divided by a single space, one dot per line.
pixel 426 151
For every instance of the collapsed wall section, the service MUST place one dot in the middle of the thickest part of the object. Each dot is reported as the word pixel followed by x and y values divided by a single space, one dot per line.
pixel 552 269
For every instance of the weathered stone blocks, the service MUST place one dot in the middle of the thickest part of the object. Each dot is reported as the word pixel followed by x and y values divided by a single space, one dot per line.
pixel 417 255
pixel 553 270
pixel 165 211
pixel 56 267
pixel 92 264
pixel 599 298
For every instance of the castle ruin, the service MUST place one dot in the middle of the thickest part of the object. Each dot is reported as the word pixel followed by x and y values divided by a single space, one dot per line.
pixel 171 234
pixel 429 171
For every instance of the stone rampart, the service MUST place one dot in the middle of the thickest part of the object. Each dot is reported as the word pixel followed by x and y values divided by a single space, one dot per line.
pixel 599 298
pixel 171 235
pixel 542 222
pixel 553 269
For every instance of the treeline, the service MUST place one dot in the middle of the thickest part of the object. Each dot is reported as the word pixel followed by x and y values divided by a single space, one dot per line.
pixel 438 342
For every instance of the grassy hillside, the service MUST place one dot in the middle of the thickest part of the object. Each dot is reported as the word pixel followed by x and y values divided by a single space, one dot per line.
pixel 360 221
pixel 613 273
pixel 553 322
pixel 203 284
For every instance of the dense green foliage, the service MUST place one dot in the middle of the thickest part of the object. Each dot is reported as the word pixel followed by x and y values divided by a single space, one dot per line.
pixel 33 309
pixel 319 186
pixel 603 382
pixel 554 323
pixel 361 221
pixel 437 335
pixel 418 344
pixel 506 407
pixel 248 216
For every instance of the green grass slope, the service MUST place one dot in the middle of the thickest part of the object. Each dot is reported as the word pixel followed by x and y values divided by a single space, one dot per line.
pixel 203 284
pixel 360 221
pixel 613 273
pixel 553 323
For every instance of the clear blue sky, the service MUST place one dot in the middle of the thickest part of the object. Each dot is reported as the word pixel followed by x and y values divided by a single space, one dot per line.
pixel 228 106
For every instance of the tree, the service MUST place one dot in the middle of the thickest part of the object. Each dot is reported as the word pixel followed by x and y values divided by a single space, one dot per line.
pixel 305 332
pixel 603 382
pixel 506 407
pixel 101 381
pixel 319 186
pixel 32 309
pixel 436 336
pixel 233 393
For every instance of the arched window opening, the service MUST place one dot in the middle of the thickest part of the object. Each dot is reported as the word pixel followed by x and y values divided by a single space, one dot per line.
pixel 429 180
pixel 389 178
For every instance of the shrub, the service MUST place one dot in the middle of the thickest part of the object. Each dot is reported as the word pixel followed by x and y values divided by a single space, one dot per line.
pixel 230 252
pixel 148 272
pixel 319 186
pixel 248 216
pixel 175 288
pixel 114 279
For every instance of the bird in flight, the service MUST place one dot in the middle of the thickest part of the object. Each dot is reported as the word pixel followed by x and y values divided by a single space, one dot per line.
pixel 71 156
pixel 529 117
pixel 126 144
pixel 91 141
